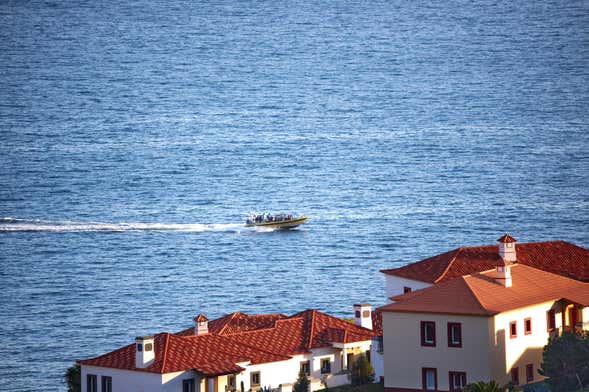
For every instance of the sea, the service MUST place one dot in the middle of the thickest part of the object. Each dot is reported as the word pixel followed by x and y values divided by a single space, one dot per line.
pixel 135 137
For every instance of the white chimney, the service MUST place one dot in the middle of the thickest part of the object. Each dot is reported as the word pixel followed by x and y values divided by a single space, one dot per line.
pixel 201 324
pixel 503 273
pixel 507 248
pixel 363 315
pixel 144 351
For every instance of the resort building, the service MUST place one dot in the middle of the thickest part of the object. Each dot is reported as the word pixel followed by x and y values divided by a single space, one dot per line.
pixel 236 351
pixel 485 325
pixel 558 257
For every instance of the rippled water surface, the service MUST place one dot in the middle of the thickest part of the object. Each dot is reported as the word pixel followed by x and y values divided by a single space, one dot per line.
pixel 136 137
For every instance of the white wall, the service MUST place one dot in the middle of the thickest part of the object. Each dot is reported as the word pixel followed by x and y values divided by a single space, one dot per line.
pixel 134 381
pixel 395 284
pixel 377 360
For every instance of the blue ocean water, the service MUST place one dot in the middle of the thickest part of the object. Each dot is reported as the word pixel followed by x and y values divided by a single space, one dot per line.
pixel 135 137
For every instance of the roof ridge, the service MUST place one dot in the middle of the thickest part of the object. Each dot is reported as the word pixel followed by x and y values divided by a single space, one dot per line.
pixel 166 344
pixel 262 329
pixel 476 297
pixel 233 315
pixel 457 250
pixel 311 329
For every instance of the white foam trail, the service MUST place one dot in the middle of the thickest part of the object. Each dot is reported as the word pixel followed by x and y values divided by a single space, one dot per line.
pixel 14 224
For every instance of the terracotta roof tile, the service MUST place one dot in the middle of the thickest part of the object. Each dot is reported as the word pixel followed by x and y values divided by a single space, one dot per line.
pixel 238 337
pixel 558 257
pixel 478 294
pixel 200 318
pixel 506 238
pixel 377 322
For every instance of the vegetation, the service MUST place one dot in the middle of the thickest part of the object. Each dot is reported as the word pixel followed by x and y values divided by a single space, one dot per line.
pixel 362 371
pixel 302 383
pixel 565 361
pixel 242 386
pixel 265 389
pixel 491 386
pixel 73 378
pixel 375 387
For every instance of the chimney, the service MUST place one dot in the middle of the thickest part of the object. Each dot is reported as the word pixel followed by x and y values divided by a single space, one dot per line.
pixel 507 248
pixel 363 315
pixel 503 273
pixel 201 324
pixel 144 351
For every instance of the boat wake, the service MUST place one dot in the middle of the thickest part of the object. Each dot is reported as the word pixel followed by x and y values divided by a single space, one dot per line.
pixel 15 225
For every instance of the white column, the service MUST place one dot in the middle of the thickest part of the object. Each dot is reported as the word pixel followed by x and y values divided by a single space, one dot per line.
pixel 345 362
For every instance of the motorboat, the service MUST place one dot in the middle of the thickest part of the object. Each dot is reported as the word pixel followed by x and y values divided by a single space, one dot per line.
pixel 279 221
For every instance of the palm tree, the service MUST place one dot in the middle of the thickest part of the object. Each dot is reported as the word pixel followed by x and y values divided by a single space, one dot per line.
pixel 73 378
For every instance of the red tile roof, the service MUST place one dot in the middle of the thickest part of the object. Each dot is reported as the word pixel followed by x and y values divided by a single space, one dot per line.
pixel 479 294
pixel 558 257
pixel 238 337
pixel 200 318
pixel 506 238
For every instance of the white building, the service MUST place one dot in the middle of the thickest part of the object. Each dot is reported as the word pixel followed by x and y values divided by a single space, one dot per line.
pixel 485 325
pixel 221 355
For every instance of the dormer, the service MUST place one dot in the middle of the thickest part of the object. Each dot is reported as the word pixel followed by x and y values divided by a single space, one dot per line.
pixel 144 351
pixel 201 324
pixel 507 248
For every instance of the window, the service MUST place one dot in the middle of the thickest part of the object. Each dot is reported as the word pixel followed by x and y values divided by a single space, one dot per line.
pixel 366 313
pixel 454 335
pixel 429 378
pixel 305 368
pixel 428 333
pixel 139 347
pixel 254 379
pixel 325 366
pixel 91 383
pixel 231 383
pixel 379 344
pixel 106 383
pixel 515 375
pixel 527 326
pixel 148 347
pixel 188 385
pixel 406 290
pixel 530 372
pixel 457 381
pixel 357 314
pixel 513 329
pixel 551 320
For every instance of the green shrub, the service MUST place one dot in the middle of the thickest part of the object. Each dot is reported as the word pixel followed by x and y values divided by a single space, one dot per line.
pixel 362 371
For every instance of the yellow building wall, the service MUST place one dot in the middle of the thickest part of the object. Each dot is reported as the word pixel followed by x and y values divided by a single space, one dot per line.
pixel 404 357
pixel 524 349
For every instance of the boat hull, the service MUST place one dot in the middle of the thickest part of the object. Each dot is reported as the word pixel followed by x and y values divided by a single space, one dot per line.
pixel 284 224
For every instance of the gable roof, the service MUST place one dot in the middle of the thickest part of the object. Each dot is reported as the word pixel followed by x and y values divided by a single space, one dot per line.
pixel 238 337
pixel 479 295
pixel 559 257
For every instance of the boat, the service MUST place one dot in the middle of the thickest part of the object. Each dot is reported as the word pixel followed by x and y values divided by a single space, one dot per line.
pixel 279 221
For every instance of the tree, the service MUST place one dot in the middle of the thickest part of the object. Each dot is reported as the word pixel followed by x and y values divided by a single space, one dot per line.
pixel 302 383
pixel 362 371
pixel 565 361
pixel 491 386
pixel 73 378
